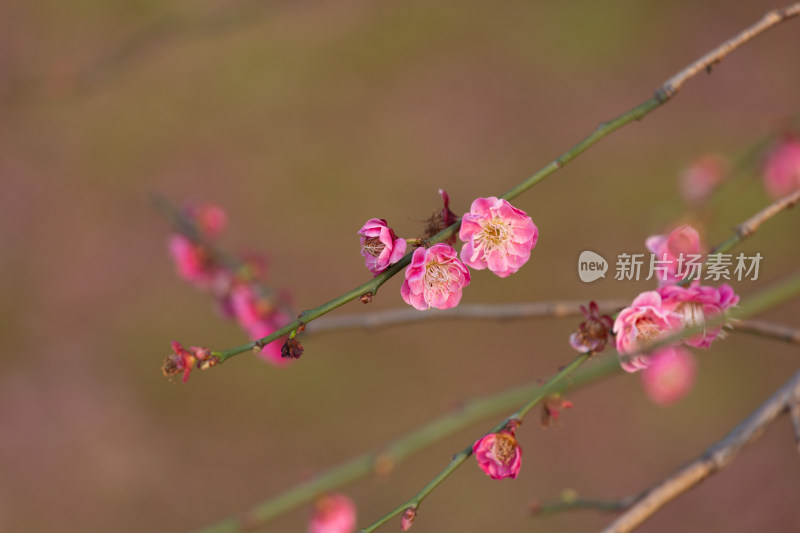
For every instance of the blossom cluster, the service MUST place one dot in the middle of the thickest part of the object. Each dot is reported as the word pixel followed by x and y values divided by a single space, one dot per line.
pixel 496 235
pixel 676 304
pixel 236 283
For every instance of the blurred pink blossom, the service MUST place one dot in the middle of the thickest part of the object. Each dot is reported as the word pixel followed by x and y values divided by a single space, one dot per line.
pixel 191 260
pixel 645 321
pixel 782 168
pixel 670 376
pixel 498 455
pixel 333 513
pixel 210 219
pixel 682 241
pixel 497 236
pixel 435 278
pixel 380 246
pixel 702 177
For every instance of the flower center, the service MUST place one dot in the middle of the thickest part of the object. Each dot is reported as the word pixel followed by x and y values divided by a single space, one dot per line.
pixel 373 246
pixel 505 448
pixel 692 314
pixel 647 330
pixel 436 277
pixel 494 234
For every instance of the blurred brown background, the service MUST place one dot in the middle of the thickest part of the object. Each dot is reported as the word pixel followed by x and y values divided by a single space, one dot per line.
pixel 304 119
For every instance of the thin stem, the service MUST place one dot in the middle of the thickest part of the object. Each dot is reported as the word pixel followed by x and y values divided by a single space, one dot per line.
pixel 397 317
pixel 769 330
pixel 748 227
pixel 608 506
pixel 662 95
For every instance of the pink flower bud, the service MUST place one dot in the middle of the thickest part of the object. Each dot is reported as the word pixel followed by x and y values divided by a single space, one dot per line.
pixel 497 236
pixel 435 278
pixel 670 376
pixel 380 246
pixel 498 455
pixel 408 519
pixel 333 513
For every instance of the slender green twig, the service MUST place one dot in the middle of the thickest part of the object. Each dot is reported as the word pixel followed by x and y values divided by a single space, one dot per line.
pixel 662 95
pixel 571 504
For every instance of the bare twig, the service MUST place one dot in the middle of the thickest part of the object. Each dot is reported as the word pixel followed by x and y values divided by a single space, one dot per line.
pixel 794 413
pixel 573 504
pixel 396 317
pixel 714 459
pixel 769 330
pixel 749 226
pixel 705 63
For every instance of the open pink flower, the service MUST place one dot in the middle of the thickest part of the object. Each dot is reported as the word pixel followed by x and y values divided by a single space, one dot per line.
pixel 497 236
pixel 434 278
pixel 695 305
pixel 644 322
pixel 682 242
pixel 782 168
pixel 380 246
pixel 498 454
pixel 670 376
pixel 702 177
pixel 333 513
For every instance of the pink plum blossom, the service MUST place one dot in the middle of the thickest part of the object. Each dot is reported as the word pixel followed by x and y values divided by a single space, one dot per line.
pixel 333 513
pixel 191 260
pixel 645 321
pixel 697 304
pixel 681 242
pixel 380 246
pixel 497 236
pixel 670 376
pixel 498 455
pixel 782 168
pixel 435 278
pixel 210 219
pixel 702 177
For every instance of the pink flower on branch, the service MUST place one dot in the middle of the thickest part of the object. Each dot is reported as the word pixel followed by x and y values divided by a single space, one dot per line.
pixel 435 278
pixel 333 513
pixel 644 322
pixel 673 251
pixel 670 376
pixel 697 304
pixel 497 236
pixel 182 361
pixel 498 454
pixel 592 334
pixel 380 246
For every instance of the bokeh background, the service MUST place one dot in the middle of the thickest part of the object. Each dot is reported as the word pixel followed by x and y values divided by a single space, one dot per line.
pixel 304 119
